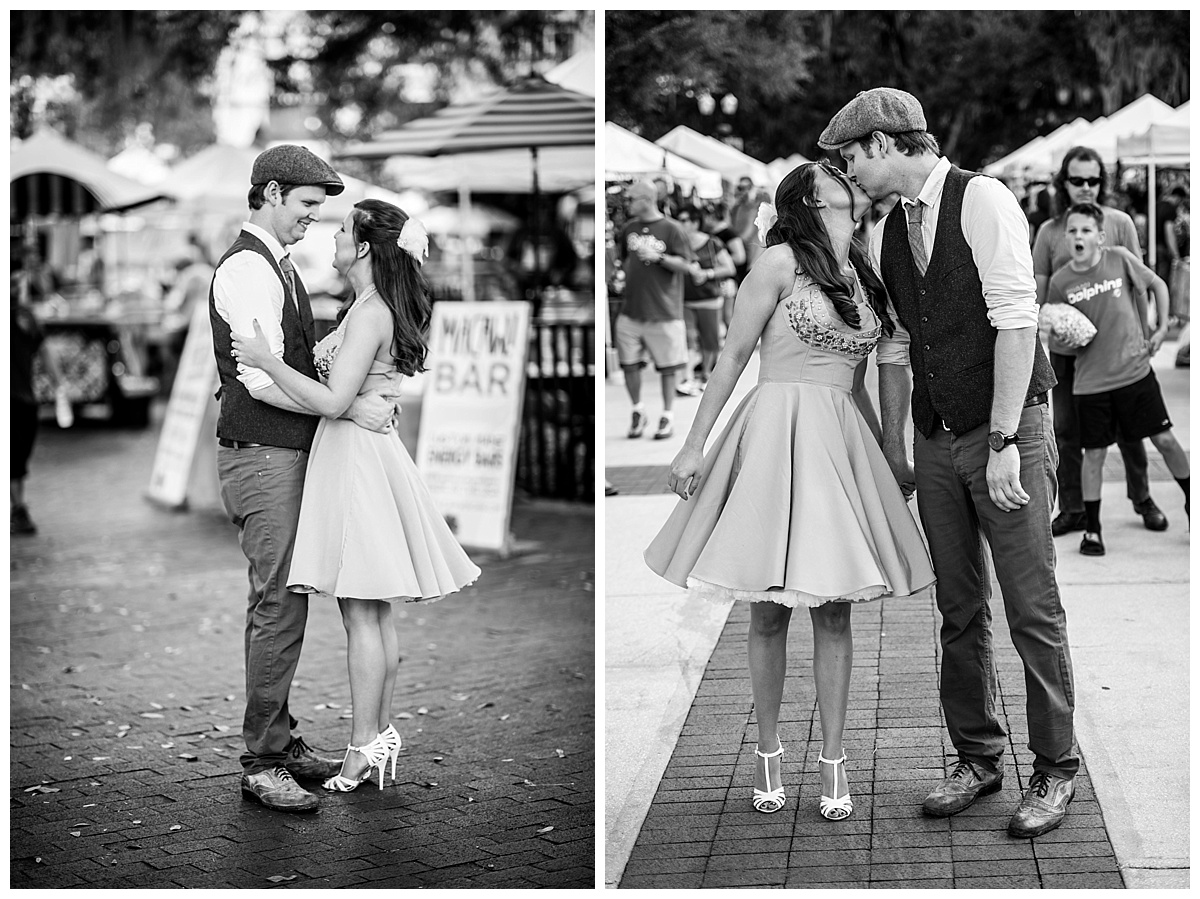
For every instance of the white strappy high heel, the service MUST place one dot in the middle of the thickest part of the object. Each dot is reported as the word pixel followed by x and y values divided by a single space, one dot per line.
pixel 376 752
pixel 391 739
pixel 836 809
pixel 768 801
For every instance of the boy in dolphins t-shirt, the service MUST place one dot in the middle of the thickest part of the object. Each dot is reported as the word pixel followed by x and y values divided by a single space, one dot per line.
pixel 1115 388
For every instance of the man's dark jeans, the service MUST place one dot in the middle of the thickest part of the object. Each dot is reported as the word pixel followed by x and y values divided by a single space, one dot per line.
pixel 957 515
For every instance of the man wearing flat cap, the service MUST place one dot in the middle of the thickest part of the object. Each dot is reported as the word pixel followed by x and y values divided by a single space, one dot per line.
pixel 954 254
pixel 264 438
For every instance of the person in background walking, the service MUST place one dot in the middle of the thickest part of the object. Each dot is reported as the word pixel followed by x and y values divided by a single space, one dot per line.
pixel 954 255
pixel 1180 282
pixel 655 256
pixel 1081 179
pixel 26 344
pixel 702 294
pixel 716 222
pixel 746 200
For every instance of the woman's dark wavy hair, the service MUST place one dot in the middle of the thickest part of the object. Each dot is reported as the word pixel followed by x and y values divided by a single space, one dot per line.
pixel 398 279
pixel 1062 200
pixel 800 227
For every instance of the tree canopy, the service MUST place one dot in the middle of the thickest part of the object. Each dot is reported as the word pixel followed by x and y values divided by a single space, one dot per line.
pixel 352 66
pixel 108 72
pixel 989 80
pixel 118 69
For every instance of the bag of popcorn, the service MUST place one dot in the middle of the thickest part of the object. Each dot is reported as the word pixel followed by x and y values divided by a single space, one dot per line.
pixel 1067 324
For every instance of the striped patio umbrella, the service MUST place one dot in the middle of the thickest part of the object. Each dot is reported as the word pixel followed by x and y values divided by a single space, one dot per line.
pixel 530 114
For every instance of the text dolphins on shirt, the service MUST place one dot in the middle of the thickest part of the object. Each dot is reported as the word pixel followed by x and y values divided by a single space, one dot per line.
pixel 1087 291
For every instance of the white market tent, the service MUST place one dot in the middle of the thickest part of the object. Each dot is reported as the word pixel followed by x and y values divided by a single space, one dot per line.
pixel 1034 157
pixel 140 164
pixel 1135 118
pixel 1165 143
pixel 1160 144
pixel 577 73
pixel 1041 157
pixel 628 156
pixel 713 154
pixel 50 175
pixel 777 169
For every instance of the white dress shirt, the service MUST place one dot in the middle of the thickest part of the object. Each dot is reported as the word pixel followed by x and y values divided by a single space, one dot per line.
pixel 997 232
pixel 246 288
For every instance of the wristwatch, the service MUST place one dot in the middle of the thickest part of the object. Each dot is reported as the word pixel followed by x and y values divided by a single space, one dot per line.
pixel 998 441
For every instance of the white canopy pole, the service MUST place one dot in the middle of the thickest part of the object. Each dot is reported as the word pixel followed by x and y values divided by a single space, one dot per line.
pixel 468 261
pixel 1151 223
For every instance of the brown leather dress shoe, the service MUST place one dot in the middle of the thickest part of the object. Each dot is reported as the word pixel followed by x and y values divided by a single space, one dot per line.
pixel 276 789
pixel 965 784
pixel 303 761
pixel 1043 807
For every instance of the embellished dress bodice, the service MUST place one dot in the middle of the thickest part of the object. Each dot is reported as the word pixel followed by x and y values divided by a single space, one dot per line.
pixel 806 340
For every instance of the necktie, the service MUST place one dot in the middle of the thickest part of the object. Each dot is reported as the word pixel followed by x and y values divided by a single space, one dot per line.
pixel 916 238
pixel 289 275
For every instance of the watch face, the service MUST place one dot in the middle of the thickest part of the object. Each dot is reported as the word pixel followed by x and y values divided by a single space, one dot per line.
pixel 996 441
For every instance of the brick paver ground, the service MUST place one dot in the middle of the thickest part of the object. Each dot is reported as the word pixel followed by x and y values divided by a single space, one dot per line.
pixel 126 700
pixel 701 830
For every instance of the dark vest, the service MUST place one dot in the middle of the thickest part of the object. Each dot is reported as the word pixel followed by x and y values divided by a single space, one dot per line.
pixel 243 417
pixel 953 344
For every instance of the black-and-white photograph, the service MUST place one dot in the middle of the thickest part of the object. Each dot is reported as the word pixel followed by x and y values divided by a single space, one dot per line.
pixel 303 449
pixel 884 289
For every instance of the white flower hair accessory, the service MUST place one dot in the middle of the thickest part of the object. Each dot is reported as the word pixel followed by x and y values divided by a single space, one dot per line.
pixel 414 240
pixel 767 216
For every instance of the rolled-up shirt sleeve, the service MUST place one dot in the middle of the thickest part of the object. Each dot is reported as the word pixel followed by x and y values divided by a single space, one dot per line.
pixel 245 288
pixel 998 233
pixel 890 350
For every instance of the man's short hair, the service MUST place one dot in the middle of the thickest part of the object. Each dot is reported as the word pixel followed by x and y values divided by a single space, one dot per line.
pixel 258 194
pixel 1091 210
pixel 910 143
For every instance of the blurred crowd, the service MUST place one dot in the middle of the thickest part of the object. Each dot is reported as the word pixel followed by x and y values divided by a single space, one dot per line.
pixel 723 236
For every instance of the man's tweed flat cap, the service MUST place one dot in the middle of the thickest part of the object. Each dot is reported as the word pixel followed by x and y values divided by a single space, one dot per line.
pixel 291 164
pixel 883 109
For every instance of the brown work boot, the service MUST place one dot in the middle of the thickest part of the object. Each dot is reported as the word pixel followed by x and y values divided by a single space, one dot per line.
pixel 303 761
pixel 276 789
pixel 1044 805
pixel 965 784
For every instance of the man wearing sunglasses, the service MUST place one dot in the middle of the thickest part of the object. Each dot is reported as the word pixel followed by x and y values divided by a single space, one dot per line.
pixel 1081 179
pixel 954 255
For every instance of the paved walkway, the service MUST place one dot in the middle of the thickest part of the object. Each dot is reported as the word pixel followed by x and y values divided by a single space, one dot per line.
pixel 126 704
pixel 680 729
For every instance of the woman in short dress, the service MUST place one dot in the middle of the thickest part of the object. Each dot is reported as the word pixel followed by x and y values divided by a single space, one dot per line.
pixel 369 531
pixel 795 504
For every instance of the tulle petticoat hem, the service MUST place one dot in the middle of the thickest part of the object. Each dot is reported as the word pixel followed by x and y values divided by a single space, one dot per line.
pixel 790 598
pixel 313 591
